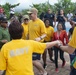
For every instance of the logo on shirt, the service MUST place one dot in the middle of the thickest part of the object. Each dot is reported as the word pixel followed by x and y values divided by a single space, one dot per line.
pixel 19 51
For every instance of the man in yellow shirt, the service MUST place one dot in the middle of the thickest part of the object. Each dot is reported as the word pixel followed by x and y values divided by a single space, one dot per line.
pixel 25 23
pixel 71 48
pixel 16 55
pixel 37 32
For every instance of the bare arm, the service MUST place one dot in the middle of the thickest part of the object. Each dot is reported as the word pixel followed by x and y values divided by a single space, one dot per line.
pixel 43 36
pixel 67 49
pixel 40 38
pixel 51 44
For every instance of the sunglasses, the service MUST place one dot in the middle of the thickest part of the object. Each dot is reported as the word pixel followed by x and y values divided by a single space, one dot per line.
pixel 26 19
pixel 30 13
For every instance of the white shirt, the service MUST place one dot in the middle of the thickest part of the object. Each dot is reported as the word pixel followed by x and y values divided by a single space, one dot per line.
pixel 69 15
pixel 12 10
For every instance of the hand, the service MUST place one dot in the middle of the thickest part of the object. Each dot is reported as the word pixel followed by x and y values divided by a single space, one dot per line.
pixel 4 41
pixel 37 39
pixel 59 43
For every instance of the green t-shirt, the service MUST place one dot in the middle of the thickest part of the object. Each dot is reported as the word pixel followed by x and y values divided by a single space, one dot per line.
pixel 4 35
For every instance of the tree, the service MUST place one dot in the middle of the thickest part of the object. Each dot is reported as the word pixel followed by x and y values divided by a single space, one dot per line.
pixel 7 7
pixel 42 7
pixel 66 5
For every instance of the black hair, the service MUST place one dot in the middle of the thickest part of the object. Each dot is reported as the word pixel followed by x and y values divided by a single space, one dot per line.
pixel 15 30
pixel 58 24
pixel 47 19
pixel 59 12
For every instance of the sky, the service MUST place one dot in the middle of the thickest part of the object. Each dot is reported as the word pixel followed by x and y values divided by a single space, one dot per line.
pixel 26 3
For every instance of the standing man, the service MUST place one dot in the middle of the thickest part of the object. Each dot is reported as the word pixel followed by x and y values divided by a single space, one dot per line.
pixel 12 12
pixel 37 32
pixel 69 16
pixel 4 34
pixel 25 23
pixel 49 15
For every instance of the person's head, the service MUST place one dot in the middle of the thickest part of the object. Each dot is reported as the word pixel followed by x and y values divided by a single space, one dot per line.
pixel 3 22
pixel 25 19
pixel 49 11
pixel 59 26
pixel 15 30
pixel 47 22
pixel 33 13
pixel 72 23
pixel 61 12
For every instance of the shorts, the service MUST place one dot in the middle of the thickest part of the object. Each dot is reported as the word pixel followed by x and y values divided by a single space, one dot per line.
pixel 36 56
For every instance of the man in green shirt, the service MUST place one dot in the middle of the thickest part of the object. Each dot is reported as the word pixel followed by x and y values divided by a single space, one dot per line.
pixel 4 34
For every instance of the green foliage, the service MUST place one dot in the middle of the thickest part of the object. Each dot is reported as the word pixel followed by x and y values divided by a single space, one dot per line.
pixel 42 7
pixel 66 5
pixel 7 7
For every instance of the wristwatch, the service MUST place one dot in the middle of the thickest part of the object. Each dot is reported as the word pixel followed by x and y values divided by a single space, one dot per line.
pixel 41 38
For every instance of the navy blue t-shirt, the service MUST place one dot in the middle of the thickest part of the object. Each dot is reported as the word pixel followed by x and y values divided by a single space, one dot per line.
pixel 60 19
pixel 50 17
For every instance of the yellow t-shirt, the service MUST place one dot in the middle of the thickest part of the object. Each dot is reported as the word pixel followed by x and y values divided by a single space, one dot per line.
pixel 49 35
pixel 25 33
pixel 36 29
pixel 73 39
pixel 16 56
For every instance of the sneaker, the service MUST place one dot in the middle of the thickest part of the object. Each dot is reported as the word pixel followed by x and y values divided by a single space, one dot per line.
pixel 56 70
pixel 63 64
pixel 44 66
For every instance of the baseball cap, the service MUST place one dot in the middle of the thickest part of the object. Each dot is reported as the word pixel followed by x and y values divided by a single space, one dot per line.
pixel 25 17
pixel 32 10
pixel 3 19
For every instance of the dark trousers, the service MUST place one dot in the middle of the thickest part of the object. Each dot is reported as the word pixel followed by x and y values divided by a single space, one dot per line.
pixel 56 56
pixel 73 71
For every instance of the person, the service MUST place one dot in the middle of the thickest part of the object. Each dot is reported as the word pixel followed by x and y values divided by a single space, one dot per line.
pixel 25 26
pixel 70 48
pixel 61 18
pixel 4 34
pixel 20 17
pixel 1 12
pixel 12 12
pixel 69 16
pixel 51 17
pixel 16 55
pixel 48 38
pixel 73 24
pixel 60 35
pixel 36 32
pixel 74 18
pixel 42 16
